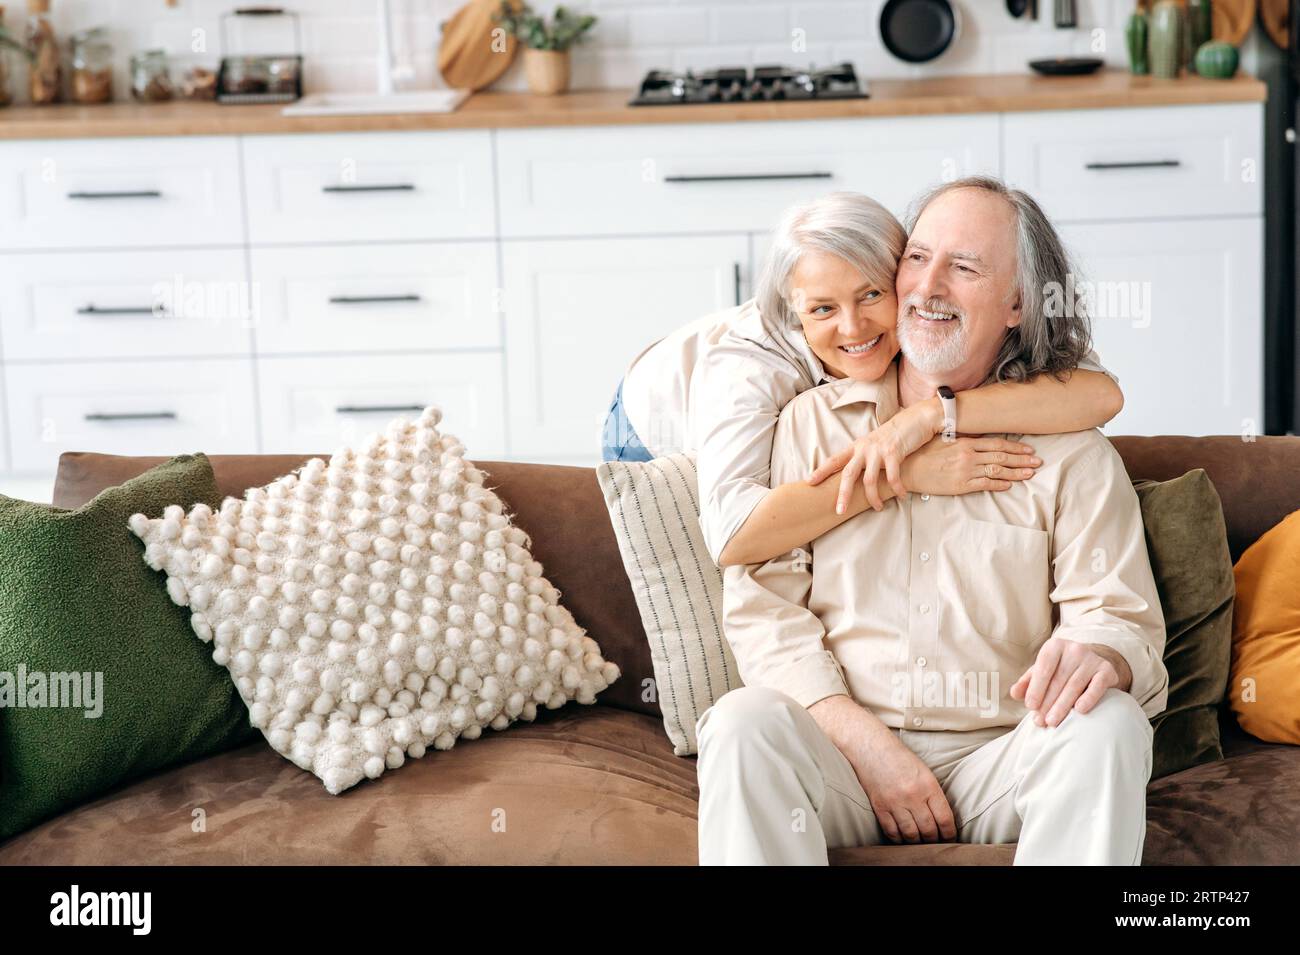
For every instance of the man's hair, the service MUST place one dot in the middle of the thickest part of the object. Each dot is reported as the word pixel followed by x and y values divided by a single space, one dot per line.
pixel 1042 342
pixel 850 225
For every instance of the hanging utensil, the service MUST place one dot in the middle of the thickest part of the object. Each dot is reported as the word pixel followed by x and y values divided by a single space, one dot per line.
pixel 1017 8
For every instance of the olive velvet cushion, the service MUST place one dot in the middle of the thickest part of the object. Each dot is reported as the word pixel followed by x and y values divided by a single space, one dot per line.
pixel 80 611
pixel 1188 545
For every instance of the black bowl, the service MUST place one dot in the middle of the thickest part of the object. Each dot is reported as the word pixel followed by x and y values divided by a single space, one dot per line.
pixel 1067 65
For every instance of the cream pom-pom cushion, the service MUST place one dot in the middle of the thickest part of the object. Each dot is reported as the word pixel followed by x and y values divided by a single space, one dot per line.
pixel 375 606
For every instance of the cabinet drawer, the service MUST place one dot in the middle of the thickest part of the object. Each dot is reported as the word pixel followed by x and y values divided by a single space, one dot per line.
pixel 376 297
pixel 347 187
pixel 124 304
pixel 313 405
pixel 119 193
pixel 724 177
pixel 148 407
pixel 1135 163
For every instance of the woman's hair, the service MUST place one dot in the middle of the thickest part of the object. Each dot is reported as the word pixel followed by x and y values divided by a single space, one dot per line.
pixel 850 225
pixel 1054 333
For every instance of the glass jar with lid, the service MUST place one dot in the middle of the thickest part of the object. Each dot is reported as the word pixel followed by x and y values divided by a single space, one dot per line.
pixel 151 80
pixel 92 66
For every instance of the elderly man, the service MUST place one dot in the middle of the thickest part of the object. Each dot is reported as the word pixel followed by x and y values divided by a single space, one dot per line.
pixel 979 668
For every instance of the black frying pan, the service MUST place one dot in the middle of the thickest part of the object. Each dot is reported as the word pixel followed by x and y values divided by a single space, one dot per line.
pixel 917 31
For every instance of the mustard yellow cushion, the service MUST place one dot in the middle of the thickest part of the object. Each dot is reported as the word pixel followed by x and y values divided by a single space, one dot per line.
pixel 1264 687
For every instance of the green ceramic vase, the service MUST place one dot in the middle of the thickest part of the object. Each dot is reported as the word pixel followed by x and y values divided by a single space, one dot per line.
pixel 1166 39
pixel 1217 60
pixel 1135 39
pixel 1197 29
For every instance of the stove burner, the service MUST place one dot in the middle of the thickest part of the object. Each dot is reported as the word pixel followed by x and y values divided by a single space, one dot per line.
pixel 737 84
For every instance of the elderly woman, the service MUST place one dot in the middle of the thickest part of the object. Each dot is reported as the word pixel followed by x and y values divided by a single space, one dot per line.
pixel 717 387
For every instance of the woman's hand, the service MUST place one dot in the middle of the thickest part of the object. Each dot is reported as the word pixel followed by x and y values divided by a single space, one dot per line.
pixel 968 464
pixel 885 447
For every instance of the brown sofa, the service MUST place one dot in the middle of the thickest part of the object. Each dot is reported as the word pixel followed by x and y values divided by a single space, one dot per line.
pixel 600 784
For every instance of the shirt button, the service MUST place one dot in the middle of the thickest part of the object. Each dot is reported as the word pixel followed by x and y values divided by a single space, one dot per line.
pixel 917 721
pixel 924 556
pixel 925 497
pixel 925 608
pixel 920 661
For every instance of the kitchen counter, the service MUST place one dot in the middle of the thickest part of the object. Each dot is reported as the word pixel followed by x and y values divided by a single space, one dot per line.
pixel 1001 93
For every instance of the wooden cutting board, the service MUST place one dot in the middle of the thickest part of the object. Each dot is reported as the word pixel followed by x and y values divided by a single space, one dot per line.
pixel 1230 20
pixel 472 55
pixel 1273 18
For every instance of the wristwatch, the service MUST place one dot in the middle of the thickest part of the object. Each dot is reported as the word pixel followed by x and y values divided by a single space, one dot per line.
pixel 949 403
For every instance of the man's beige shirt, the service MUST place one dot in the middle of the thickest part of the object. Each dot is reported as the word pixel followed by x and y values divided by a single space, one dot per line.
pixel 928 611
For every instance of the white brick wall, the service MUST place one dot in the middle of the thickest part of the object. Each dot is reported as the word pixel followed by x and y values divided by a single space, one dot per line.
pixel 631 37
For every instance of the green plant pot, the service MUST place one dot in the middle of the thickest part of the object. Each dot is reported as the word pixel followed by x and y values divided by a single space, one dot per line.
pixel 1135 40
pixel 1166 39
pixel 1217 60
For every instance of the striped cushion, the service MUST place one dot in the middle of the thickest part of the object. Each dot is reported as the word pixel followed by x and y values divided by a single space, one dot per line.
pixel 654 508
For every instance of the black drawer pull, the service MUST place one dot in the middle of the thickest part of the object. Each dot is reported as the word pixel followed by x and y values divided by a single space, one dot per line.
pixel 371 299
pixel 131 310
pixel 394 187
pixel 751 177
pixel 735 280
pixel 137 194
pixel 133 416
pixel 366 409
pixel 1136 164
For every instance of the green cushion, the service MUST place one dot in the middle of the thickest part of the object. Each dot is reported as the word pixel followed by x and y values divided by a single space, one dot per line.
pixel 1188 543
pixel 77 597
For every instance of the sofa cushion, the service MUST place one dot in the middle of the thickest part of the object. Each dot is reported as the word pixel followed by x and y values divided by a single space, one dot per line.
pixel 654 508
pixel 590 785
pixel 75 598
pixel 1265 686
pixel 1188 547
pixel 376 606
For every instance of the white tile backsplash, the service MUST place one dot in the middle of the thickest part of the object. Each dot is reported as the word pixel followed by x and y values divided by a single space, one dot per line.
pixel 633 35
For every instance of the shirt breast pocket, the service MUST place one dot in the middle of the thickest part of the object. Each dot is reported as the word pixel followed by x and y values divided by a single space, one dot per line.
pixel 996 580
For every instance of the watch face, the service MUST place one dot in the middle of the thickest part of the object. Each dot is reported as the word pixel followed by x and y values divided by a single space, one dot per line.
pixel 944 391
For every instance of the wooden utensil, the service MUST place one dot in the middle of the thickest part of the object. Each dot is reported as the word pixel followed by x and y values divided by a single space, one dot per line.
pixel 1273 17
pixel 473 54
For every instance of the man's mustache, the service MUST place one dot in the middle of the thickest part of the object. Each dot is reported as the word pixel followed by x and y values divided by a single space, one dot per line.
pixel 932 304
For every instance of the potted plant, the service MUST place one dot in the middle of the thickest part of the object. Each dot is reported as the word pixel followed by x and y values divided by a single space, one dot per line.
pixel 546 44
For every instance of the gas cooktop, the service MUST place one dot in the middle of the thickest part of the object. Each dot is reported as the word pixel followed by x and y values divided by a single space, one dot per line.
pixel 740 85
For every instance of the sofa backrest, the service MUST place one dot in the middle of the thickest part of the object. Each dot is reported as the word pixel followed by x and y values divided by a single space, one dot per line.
pixel 563 511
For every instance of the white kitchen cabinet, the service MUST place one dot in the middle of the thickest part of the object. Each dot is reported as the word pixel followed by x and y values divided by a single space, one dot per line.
pixel 720 177
pixel 145 407
pixel 120 193
pixel 578 310
pixel 94 305
pixel 354 187
pixel 314 405
pixel 359 298
pixel 1177 315
pixel 1182 161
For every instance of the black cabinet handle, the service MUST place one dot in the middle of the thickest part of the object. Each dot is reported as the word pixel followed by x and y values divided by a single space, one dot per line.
pixel 392 187
pixel 134 194
pixel 1136 164
pixel 371 299
pixel 366 409
pixel 751 177
pixel 735 279
pixel 131 310
pixel 132 416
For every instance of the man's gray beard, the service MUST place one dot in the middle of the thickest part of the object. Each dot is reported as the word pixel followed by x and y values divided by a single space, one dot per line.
pixel 951 353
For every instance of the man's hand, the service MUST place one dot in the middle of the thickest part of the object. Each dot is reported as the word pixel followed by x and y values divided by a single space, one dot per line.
pixel 1070 675
pixel 906 798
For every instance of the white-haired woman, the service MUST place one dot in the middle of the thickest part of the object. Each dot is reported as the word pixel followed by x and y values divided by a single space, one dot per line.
pixel 717 387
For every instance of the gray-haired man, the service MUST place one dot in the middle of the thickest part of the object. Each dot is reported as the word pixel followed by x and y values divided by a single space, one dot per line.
pixel 980 668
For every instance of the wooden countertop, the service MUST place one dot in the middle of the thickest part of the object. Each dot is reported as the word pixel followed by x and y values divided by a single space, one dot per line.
pixel 996 93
